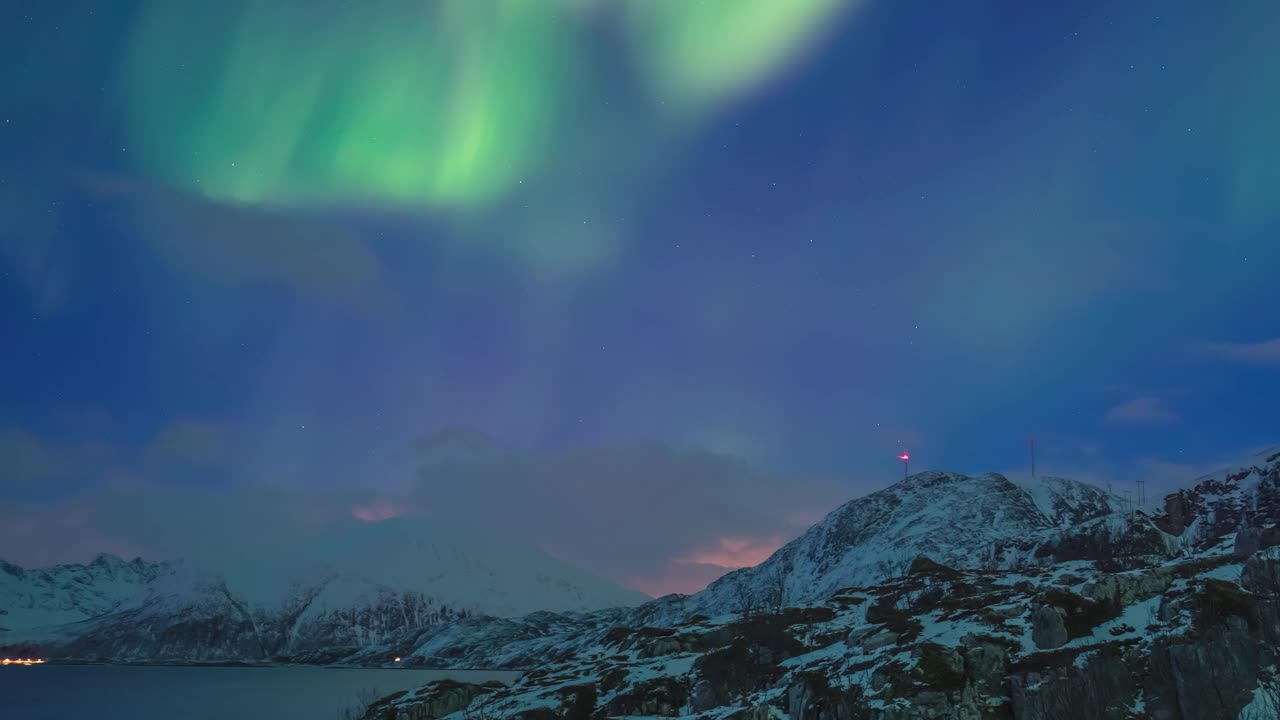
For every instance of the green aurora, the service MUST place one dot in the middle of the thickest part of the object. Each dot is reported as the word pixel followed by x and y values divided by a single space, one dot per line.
pixel 419 104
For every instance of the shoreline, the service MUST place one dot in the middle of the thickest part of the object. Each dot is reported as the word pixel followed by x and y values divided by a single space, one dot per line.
pixel 237 664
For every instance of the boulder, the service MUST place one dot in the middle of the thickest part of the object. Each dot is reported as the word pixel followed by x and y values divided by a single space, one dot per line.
pixel 1048 631
pixel 874 641
pixel 702 696
pixel 1261 573
pixel 657 647
pixel 1123 589
pixel 1248 541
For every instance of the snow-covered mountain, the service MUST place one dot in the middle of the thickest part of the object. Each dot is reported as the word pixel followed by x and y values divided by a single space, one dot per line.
pixel 1056 607
pixel 978 523
pixel 70 593
pixel 318 601
pixel 953 518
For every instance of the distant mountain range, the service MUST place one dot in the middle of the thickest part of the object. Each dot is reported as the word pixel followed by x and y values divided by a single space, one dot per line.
pixel 317 602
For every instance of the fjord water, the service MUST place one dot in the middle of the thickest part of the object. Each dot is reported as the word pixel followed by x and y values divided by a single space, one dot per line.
pixel 120 692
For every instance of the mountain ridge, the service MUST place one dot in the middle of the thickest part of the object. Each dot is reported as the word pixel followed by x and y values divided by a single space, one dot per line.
pixel 348 592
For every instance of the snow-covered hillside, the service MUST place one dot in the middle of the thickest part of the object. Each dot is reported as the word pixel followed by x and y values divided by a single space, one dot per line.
pixel 316 601
pixel 954 518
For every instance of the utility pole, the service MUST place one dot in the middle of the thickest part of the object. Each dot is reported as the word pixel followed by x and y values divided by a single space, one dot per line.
pixel 1033 457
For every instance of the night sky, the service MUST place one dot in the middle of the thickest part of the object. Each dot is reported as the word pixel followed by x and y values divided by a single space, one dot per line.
pixel 679 277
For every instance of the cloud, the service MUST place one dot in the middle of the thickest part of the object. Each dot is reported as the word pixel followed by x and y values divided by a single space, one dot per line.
pixel 26 460
pixel 37 534
pixel 1266 352
pixel 29 246
pixel 693 571
pixel 1161 474
pixel 653 516
pixel 732 553
pixel 239 246
pixel 376 510
pixel 188 443
pixel 677 576
pixel 657 518
pixel 1146 410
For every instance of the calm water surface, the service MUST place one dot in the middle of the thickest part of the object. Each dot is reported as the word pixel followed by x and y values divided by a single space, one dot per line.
pixel 109 692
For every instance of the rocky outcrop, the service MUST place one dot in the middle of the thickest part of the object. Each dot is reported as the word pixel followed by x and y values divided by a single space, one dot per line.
pixel 811 697
pixel 1220 504
pixel 662 697
pixel 430 702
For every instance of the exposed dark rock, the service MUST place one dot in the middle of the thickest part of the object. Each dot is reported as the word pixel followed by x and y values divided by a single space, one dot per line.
pixel 1218 603
pixel 986 662
pixel 1214 677
pixel 922 565
pixel 1102 689
pixel 1080 615
pixel 811 697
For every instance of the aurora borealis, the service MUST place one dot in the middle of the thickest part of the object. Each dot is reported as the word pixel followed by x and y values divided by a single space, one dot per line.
pixel 252 249
pixel 400 102
pixel 404 103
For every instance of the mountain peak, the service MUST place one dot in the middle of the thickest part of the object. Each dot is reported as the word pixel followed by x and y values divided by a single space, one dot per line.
pixel 949 517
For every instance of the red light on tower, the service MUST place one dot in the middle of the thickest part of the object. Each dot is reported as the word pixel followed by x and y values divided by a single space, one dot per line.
pixel 905 458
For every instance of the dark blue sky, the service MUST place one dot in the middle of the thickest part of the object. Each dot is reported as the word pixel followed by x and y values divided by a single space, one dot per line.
pixel 868 227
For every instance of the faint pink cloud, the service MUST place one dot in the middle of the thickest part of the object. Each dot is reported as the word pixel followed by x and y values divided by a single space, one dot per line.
pixel 1146 410
pixel 694 570
pixel 377 510
pixel 1266 352
pixel 676 576
pixel 732 553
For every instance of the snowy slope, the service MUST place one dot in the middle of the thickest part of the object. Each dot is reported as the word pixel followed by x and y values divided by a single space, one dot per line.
pixel 955 519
